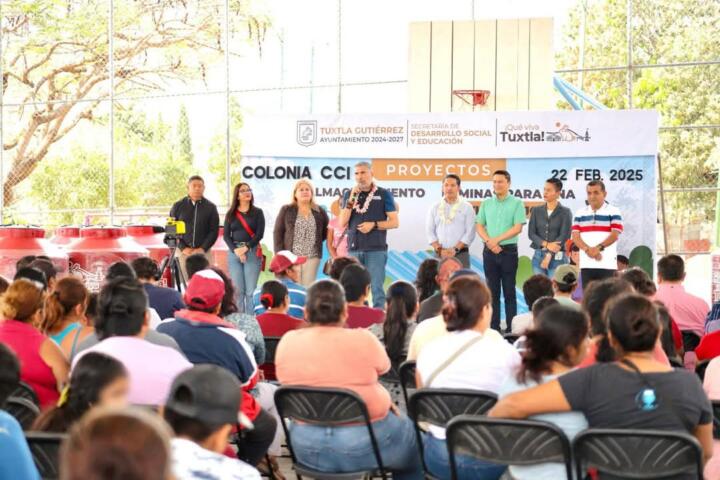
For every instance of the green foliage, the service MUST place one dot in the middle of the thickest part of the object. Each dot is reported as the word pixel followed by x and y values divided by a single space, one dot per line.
pixel 183 143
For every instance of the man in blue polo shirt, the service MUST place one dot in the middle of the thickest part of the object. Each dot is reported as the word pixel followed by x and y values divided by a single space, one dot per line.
pixel 369 212
pixel 284 266
pixel 499 222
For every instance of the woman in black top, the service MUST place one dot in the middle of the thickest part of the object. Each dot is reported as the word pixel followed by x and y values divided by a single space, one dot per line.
pixel 549 229
pixel 244 228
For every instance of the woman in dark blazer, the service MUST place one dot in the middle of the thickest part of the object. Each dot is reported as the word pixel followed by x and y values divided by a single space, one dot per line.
pixel 301 227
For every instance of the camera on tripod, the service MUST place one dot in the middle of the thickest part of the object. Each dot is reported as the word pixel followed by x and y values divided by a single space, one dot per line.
pixel 174 229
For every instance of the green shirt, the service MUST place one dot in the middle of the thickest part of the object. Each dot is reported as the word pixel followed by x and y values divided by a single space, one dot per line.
pixel 499 216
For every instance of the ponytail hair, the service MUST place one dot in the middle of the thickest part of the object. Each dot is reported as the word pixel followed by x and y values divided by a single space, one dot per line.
pixel 21 300
pixel 273 294
pixel 69 293
pixel 325 302
pixel 401 303
pixel 122 306
pixel 465 299
pixel 556 330
pixel 634 323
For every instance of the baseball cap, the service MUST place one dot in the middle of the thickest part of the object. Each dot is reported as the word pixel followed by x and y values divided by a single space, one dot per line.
pixel 285 259
pixel 207 393
pixel 205 290
pixel 562 272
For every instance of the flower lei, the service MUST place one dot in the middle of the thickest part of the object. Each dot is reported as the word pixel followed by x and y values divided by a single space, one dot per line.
pixel 446 219
pixel 368 199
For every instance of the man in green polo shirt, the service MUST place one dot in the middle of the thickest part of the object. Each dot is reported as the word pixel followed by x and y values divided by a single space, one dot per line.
pixel 499 222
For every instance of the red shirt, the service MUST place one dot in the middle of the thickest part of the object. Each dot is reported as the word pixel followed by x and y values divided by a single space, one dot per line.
pixel 709 346
pixel 276 325
pixel 25 340
pixel 364 317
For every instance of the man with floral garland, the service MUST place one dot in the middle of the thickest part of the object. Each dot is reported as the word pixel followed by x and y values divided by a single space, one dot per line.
pixel 450 225
pixel 369 212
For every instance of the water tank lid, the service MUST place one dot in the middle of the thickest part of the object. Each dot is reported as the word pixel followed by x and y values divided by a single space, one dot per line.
pixel 103 232
pixel 19 231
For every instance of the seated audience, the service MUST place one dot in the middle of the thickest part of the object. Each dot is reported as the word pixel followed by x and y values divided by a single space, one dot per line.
pixel 534 287
pixel 471 356
pixel 285 267
pixel 64 309
pixel 434 327
pixel 127 444
pixel 196 262
pixel 96 381
pixel 667 339
pixel 355 280
pixel 426 281
pixel 712 321
pixel 244 322
pixel 318 356
pixel 339 264
pixel 401 308
pixel 46 266
pixel 123 320
pixel 33 275
pixel 120 269
pixel 623 263
pixel 204 337
pixel 16 461
pixel 554 346
pixel 202 409
pixel 165 301
pixel 538 306
pixel 25 261
pixel 71 343
pixel 634 392
pixel 686 309
pixel 431 306
pixel 564 281
pixel 43 365
pixel 573 252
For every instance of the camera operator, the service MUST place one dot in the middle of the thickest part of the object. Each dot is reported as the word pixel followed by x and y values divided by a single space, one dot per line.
pixel 201 222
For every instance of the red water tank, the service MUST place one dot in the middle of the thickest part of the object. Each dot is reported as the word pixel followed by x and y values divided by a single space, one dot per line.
pixel 219 253
pixel 19 241
pixel 152 237
pixel 65 234
pixel 99 247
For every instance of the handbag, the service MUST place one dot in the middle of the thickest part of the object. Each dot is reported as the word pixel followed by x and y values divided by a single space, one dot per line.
pixel 258 251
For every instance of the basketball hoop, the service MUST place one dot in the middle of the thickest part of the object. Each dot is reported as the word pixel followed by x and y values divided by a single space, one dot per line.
pixel 479 97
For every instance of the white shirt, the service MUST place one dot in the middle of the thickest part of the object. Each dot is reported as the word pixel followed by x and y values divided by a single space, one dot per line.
pixel 192 462
pixel 595 226
pixel 486 365
pixel 520 323
pixel 460 229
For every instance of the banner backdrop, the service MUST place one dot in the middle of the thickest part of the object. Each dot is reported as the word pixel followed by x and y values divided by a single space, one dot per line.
pixel 410 154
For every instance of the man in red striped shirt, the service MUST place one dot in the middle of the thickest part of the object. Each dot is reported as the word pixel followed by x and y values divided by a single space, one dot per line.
pixel 595 231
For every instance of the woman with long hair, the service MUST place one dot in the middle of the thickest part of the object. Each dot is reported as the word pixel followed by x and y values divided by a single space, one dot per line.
pixel 301 227
pixel 243 229
pixel 401 307
pixel 425 281
pixel 97 380
pixel 64 309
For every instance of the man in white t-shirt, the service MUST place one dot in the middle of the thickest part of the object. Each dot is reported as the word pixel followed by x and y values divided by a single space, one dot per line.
pixel 595 231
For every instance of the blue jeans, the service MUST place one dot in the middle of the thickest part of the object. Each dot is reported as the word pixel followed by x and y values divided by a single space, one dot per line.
pixel 437 462
pixel 347 449
pixel 537 260
pixel 375 262
pixel 245 277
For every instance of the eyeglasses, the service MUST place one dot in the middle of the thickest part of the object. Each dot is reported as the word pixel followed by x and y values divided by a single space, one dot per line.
pixel 245 191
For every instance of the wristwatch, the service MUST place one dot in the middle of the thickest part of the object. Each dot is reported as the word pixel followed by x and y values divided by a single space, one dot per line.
pixel 601 247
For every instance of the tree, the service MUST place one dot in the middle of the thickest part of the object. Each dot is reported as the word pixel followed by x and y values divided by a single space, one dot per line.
pixel 218 149
pixel 678 31
pixel 183 143
pixel 55 62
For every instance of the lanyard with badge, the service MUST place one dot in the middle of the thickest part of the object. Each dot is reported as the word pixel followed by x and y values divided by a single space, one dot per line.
pixel 646 399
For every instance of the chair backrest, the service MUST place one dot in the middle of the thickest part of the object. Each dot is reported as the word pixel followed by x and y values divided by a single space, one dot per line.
pixel 407 378
pixel 637 453
pixel 271 344
pixel 507 442
pixel 24 411
pixel 26 391
pixel 45 449
pixel 323 406
pixel 716 419
pixel 438 406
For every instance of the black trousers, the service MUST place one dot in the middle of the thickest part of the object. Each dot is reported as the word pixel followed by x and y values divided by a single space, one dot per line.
pixel 500 270
pixel 591 274
pixel 253 444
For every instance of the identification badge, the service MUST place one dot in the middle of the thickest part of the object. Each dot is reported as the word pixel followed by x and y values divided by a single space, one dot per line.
pixel 559 255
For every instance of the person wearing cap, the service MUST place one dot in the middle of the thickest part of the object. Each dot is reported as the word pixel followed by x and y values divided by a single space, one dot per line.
pixel 435 327
pixel 123 320
pixel 202 409
pixel 285 267
pixel 204 337
pixel 564 281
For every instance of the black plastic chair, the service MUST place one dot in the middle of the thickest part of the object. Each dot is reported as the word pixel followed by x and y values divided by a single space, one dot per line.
pixel 437 406
pixel 407 378
pixel 24 411
pixel 45 449
pixel 638 453
pixel 507 442
pixel 26 391
pixel 325 407
pixel 716 419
